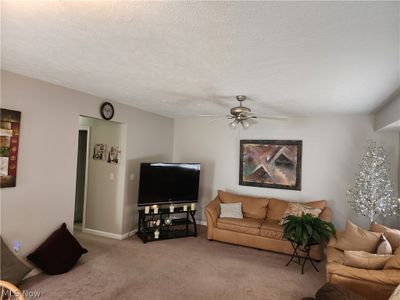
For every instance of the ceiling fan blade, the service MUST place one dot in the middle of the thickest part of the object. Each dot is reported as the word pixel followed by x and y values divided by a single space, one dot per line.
pixel 248 113
pixel 214 120
pixel 211 116
pixel 282 118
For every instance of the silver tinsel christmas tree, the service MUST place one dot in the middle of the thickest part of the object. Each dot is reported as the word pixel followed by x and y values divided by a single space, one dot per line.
pixel 372 194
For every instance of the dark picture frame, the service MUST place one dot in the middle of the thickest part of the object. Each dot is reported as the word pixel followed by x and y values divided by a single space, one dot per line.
pixel 9 144
pixel 271 163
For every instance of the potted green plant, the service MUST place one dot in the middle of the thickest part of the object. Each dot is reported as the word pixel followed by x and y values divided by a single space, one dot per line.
pixel 307 229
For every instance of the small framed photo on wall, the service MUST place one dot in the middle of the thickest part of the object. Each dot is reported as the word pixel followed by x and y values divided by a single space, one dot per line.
pixel 99 151
pixel 114 155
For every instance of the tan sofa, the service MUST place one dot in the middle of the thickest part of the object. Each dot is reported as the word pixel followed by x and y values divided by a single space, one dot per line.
pixel 371 284
pixel 259 227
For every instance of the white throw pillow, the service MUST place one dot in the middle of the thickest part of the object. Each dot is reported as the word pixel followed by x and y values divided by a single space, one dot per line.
pixel 384 246
pixel 231 210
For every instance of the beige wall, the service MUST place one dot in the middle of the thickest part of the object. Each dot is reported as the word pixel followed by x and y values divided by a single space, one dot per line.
pixel 45 192
pixel 387 118
pixel 332 150
pixel 105 199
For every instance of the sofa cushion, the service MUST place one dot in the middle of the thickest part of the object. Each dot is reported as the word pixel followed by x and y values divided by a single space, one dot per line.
pixel 357 239
pixel 333 240
pixel 321 204
pixel 245 225
pixel 392 235
pixel 276 209
pixel 335 255
pixel 272 229
pixel 391 277
pixel 253 207
pixel 298 209
pixel 231 210
pixel 393 263
pixel 365 260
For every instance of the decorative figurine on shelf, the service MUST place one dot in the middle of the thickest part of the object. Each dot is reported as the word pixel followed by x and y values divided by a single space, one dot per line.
pixel 171 208
pixel 155 209
pixel 168 221
pixel 193 206
pixel 147 210
pixel 156 234
pixel 185 207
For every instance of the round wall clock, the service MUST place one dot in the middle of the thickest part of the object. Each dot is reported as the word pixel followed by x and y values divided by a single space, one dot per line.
pixel 107 110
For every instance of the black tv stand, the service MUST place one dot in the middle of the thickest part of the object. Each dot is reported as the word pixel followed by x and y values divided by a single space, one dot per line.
pixel 181 226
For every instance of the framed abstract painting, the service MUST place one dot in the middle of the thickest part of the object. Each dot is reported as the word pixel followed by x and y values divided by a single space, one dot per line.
pixel 271 163
pixel 9 142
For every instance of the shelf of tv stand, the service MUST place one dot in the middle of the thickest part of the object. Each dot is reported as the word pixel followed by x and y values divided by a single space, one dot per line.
pixel 179 228
pixel 165 211
pixel 165 235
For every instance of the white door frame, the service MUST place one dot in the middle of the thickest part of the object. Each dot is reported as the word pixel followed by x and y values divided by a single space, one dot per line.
pixel 87 129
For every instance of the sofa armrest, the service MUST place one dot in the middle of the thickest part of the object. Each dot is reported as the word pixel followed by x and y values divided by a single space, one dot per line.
pixel 333 240
pixel 212 213
pixel 326 215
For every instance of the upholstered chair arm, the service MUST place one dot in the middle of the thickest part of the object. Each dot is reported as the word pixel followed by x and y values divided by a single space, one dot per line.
pixel 212 213
pixel 333 240
pixel 326 215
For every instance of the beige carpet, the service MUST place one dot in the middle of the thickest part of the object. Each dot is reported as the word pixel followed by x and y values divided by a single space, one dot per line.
pixel 186 268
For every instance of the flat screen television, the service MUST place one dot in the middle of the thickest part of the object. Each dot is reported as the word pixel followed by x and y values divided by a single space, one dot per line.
pixel 162 183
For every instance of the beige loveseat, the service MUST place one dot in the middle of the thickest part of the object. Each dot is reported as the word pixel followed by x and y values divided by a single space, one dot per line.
pixel 260 226
pixel 371 284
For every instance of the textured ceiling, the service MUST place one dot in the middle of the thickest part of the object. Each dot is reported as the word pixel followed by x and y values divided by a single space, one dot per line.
pixel 189 58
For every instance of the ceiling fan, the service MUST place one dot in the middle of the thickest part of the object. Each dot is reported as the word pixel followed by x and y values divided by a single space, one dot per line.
pixel 240 115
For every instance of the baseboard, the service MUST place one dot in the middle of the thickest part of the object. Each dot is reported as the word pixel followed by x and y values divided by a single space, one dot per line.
pixel 109 234
pixel 128 234
pixel 32 273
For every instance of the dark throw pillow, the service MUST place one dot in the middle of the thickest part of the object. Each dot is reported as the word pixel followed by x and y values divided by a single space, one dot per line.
pixel 59 253
pixel 12 269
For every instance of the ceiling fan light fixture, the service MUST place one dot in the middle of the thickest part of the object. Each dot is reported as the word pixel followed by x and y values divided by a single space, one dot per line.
pixel 233 124
pixel 243 116
pixel 245 124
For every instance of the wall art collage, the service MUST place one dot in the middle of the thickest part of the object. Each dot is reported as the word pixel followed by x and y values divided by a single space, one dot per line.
pixel 102 152
pixel 9 142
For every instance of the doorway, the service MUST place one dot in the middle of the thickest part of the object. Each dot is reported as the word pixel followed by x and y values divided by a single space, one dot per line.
pixel 81 179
